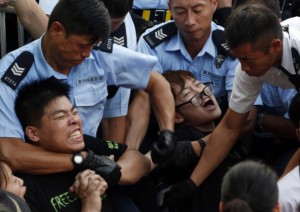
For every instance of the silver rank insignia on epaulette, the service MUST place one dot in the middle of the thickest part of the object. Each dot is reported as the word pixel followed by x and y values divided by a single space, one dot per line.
pixel 18 70
pixel 219 60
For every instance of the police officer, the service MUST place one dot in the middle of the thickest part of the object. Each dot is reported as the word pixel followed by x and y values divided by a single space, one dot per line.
pixel 124 33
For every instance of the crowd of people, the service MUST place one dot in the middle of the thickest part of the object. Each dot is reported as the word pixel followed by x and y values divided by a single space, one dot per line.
pixel 175 105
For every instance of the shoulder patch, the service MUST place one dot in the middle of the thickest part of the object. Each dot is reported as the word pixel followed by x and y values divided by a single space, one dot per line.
pixel 222 48
pixel 120 36
pixel 160 34
pixel 18 70
pixel 106 45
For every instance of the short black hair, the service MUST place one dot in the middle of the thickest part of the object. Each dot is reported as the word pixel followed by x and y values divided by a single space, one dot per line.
pixel 118 8
pixel 32 98
pixel 82 17
pixel 254 24
pixel 272 4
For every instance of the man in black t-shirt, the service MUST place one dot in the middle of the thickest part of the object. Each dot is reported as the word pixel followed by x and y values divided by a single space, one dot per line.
pixel 51 122
pixel 195 114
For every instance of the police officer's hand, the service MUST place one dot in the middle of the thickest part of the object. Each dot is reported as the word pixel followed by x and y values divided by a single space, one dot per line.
pixel 164 147
pixel 104 166
pixel 178 192
pixel 184 154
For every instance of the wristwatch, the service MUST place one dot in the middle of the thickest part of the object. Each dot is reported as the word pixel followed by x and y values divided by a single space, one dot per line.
pixel 77 159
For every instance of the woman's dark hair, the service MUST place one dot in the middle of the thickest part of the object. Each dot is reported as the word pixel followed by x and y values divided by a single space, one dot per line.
pixel 82 17
pixel 249 186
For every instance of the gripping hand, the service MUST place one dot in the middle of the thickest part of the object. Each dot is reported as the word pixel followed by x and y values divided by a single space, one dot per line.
pixel 102 165
pixel 164 147
pixel 178 192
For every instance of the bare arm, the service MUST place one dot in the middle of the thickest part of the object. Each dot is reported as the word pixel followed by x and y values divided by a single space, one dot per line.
pixel 28 158
pixel 279 126
pixel 32 17
pixel 221 140
pixel 134 166
pixel 249 125
pixel 137 119
pixel 161 100
pixel 118 124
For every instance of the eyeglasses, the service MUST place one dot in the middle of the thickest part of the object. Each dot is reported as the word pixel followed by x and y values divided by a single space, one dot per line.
pixel 197 100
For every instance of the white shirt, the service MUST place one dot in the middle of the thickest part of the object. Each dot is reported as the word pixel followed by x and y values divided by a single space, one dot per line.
pixel 289 191
pixel 246 88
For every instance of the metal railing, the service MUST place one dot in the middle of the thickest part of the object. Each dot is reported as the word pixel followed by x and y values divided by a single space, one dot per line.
pixel 3 42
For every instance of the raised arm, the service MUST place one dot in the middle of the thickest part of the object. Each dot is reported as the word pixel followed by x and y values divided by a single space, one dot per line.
pixel 219 144
pixel 32 17
pixel 161 100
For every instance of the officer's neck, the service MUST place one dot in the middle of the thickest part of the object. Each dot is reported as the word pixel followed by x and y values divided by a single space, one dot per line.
pixel 194 46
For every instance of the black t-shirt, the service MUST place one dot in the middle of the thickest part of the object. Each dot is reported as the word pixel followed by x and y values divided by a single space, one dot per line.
pixel 51 192
pixel 207 196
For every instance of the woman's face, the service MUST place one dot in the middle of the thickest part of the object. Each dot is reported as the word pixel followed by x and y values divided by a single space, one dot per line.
pixel 14 184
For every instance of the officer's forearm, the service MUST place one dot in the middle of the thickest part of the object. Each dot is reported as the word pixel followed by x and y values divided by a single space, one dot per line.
pixel 162 101
pixel 24 157
pixel 220 142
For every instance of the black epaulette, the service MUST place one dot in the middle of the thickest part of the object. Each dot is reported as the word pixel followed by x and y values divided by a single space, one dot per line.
pixel 160 34
pixel 106 45
pixel 120 36
pixel 18 70
pixel 222 48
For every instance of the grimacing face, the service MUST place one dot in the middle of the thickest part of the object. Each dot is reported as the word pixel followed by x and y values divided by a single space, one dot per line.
pixel 193 17
pixel 61 128
pixel 204 114
pixel 14 184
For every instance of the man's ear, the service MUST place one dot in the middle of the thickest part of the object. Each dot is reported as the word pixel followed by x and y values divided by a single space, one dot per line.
pixel 178 118
pixel 57 29
pixel 276 44
pixel 32 133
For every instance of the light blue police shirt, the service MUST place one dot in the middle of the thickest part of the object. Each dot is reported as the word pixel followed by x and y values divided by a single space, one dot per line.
pixel 118 105
pixel 277 100
pixel 150 4
pixel 89 81
pixel 172 55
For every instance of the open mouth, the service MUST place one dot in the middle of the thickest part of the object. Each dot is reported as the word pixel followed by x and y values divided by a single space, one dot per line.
pixel 75 134
pixel 207 102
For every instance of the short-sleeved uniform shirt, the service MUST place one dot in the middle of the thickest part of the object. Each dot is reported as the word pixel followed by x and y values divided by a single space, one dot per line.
pixel 89 81
pixel 246 88
pixel 172 55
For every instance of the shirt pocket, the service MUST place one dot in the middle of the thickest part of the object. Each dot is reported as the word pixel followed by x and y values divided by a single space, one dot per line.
pixel 94 95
